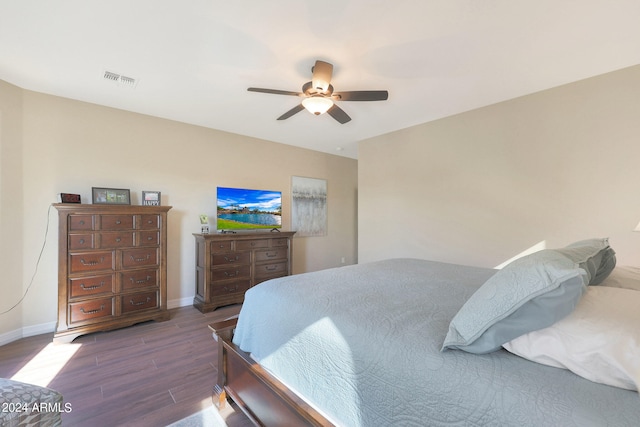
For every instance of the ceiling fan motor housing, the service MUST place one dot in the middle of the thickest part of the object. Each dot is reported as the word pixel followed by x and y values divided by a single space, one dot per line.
pixel 309 90
pixel 322 72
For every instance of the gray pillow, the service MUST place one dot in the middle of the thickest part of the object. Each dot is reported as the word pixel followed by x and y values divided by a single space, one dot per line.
pixel 595 256
pixel 531 293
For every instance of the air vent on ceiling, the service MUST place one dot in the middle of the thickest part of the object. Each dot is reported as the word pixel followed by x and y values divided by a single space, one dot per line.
pixel 120 79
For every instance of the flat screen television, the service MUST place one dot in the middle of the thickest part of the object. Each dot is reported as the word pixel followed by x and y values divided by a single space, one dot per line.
pixel 246 209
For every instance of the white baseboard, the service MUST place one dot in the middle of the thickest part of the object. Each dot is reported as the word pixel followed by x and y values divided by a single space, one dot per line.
pixel 181 302
pixel 44 328
pixel 27 331
pixel 10 336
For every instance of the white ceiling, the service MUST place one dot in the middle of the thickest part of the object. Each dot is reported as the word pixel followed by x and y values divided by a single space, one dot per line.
pixel 194 59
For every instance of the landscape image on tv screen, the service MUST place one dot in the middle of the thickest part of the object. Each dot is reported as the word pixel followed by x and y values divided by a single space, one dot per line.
pixel 241 208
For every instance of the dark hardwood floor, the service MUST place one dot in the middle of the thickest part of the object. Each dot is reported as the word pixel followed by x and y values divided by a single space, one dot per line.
pixel 150 374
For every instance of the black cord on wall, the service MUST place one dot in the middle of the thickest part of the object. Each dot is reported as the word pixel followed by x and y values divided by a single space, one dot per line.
pixel 44 243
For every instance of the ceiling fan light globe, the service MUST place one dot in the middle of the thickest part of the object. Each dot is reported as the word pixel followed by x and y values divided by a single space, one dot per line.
pixel 317 104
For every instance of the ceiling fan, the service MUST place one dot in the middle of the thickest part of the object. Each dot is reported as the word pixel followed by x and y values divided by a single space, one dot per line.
pixel 319 96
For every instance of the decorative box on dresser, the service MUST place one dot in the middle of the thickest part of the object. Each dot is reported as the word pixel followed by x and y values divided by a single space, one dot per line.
pixel 228 264
pixel 112 267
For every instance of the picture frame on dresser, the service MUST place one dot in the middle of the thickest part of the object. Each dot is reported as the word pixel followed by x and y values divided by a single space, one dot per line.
pixel 151 198
pixel 110 196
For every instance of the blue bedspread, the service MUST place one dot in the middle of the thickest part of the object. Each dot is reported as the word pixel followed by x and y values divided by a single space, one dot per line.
pixel 362 344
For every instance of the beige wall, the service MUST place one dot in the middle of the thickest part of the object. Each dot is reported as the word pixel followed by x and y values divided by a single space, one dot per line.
pixel 12 282
pixel 481 187
pixel 70 146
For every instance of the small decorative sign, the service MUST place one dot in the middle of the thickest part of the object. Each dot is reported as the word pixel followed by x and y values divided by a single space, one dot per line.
pixel 204 224
pixel 151 198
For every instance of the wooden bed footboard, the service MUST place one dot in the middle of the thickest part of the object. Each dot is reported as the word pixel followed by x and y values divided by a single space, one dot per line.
pixel 262 397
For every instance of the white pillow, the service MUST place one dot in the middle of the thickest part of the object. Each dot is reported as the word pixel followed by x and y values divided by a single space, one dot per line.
pixel 599 341
pixel 623 277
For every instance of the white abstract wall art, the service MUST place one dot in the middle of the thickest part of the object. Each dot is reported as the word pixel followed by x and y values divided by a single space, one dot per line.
pixel 309 206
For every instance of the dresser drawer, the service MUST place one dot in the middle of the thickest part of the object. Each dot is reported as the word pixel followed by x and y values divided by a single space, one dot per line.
pixel 139 279
pixel 80 222
pixel 92 285
pixel 243 245
pixel 279 243
pixel 271 270
pixel 116 222
pixel 148 238
pixel 81 241
pixel 237 272
pixel 90 310
pixel 139 301
pixel 91 261
pixel 272 254
pixel 149 221
pixel 231 258
pixel 139 257
pixel 221 246
pixel 116 240
pixel 230 288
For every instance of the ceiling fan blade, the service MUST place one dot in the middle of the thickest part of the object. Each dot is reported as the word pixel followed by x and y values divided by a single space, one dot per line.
pixel 338 114
pixel 362 95
pixel 274 91
pixel 321 78
pixel 291 112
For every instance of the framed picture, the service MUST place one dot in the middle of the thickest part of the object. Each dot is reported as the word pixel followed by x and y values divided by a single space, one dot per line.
pixel 151 198
pixel 110 196
pixel 309 206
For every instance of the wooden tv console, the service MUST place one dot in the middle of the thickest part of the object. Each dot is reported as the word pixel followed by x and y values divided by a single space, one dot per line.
pixel 228 264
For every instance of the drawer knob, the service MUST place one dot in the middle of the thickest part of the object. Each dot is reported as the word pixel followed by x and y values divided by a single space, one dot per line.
pixel 271 254
pixel 118 221
pixel 149 238
pixel 118 239
pixel 90 288
pixel 226 273
pixel 232 259
pixel 97 310
pixel 271 267
pixel 139 281
pixel 231 289
pixel 82 222
pixel 139 302
pixel 82 241
pixel 140 259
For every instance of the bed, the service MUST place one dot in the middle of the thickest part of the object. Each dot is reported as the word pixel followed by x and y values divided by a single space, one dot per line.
pixel 362 345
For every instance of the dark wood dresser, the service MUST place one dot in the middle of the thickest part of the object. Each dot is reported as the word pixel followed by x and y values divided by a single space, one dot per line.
pixel 112 267
pixel 228 264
